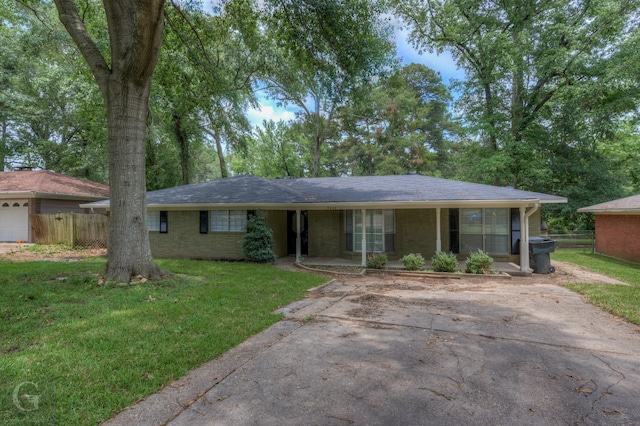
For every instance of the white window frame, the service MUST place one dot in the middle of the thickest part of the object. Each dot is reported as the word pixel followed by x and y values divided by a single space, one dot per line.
pixel 376 241
pixel 153 220
pixel 227 220
pixel 488 229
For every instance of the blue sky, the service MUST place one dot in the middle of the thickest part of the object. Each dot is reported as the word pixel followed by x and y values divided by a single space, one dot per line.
pixel 443 63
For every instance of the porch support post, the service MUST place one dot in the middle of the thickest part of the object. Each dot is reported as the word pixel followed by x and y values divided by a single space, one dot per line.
pixel 298 238
pixel 524 241
pixel 364 237
pixel 438 231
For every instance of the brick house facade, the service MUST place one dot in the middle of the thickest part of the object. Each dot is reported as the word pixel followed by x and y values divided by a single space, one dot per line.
pixel 618 227
pixel 344 217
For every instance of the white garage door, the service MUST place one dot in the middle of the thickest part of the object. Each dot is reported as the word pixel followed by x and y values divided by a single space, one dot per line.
pixel 14 221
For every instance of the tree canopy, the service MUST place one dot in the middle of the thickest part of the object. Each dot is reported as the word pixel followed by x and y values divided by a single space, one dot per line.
pixel 549 102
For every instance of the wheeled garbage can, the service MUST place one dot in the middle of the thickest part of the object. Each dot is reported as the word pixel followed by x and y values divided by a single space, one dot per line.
pixel 539 249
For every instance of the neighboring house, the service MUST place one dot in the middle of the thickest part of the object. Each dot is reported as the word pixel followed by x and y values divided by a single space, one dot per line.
pixel 618 227
pixel 28 192
pixel 323 217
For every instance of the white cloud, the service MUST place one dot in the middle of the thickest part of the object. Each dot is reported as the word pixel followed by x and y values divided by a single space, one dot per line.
pixel 268 112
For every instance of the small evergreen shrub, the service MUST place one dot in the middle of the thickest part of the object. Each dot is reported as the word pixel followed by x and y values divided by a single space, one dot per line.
pixel 377 261
pixel 479 262
pixel 413 261
pixel 444 262
pixel 258 243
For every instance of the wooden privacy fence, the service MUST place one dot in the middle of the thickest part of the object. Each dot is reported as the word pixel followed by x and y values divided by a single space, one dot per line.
pixel 77 230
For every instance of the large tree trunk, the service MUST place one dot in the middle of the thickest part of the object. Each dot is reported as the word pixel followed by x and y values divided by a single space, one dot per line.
pixel 129 253
pixel 135 35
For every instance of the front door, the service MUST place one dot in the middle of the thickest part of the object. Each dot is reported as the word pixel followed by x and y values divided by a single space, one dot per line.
pixel 304 232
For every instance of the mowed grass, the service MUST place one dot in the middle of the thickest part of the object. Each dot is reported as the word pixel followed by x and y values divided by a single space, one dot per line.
pixel 620 300
pixel 75 352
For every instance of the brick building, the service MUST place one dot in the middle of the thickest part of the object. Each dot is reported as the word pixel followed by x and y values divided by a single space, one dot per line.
pixel 345 217
pixel 618 227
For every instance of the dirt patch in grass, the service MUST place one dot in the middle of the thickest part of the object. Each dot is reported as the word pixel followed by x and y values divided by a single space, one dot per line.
pixel 54 252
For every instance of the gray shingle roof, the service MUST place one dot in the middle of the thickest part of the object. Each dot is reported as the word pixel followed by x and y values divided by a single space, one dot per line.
pixel 404 188
pixel 234 190
pixel 252 190
pixel 622 205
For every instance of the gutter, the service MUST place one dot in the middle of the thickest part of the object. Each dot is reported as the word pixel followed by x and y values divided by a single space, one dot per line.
pixel 422 204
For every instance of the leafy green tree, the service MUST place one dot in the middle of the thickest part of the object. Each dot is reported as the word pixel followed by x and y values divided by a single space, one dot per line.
pixel 276 150
pixel 322 52
pixel 518 57
pixel 401 124
pixel 52 113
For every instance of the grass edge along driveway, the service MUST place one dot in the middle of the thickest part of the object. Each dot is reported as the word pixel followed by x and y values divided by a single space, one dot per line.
pixel 75 352
pixel 620 300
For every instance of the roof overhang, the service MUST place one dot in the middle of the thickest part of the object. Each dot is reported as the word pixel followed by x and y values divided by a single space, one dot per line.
pixel 611 211
pixel 426 204
pixel 49 195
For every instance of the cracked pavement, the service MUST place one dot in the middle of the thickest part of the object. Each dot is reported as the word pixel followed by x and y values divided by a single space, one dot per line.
pixel 387 350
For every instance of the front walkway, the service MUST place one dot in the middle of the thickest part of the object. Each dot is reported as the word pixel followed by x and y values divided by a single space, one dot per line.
pixel 506 267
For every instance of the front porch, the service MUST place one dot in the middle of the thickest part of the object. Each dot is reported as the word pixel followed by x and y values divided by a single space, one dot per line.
pixel 506 267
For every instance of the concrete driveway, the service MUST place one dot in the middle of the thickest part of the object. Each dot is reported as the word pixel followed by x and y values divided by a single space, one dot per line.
pixel 386 350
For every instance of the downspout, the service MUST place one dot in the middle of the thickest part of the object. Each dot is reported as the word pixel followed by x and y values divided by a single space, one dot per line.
pixel 524 240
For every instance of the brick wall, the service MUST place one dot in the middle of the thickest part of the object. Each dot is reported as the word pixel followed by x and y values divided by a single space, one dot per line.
pixel 325 229
pixel 618 236
pixel 416 232
pixel 277 221
pixel 184 239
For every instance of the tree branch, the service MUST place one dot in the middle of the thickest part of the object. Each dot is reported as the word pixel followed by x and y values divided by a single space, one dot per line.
pixel 69 17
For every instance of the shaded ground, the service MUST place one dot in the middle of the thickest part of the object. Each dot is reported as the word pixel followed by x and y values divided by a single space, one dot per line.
pixel 401 350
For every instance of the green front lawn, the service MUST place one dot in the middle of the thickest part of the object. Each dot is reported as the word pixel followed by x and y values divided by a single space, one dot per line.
pixel 76 352
pixel 620 300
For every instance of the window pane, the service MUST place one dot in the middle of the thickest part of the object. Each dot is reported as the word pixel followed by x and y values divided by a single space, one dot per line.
pixel 153 220
pixel 219 220
pixel 471 221
pixel 470 242
pixel 237 220
pixel 496 221
pixel 497 244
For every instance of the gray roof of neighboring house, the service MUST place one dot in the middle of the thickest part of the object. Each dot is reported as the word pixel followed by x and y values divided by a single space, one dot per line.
pixel 622 205
pixel 247 190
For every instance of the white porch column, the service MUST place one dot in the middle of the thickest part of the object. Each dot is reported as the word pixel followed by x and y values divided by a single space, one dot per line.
pixel 298 238
pixel 524 241
pixel 438 231
pixel 364 237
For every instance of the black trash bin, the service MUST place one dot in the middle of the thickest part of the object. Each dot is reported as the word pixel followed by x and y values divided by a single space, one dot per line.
pixel 539 249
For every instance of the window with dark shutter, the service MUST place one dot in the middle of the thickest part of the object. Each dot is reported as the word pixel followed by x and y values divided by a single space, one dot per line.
pixel 164 228
pixel 204 221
